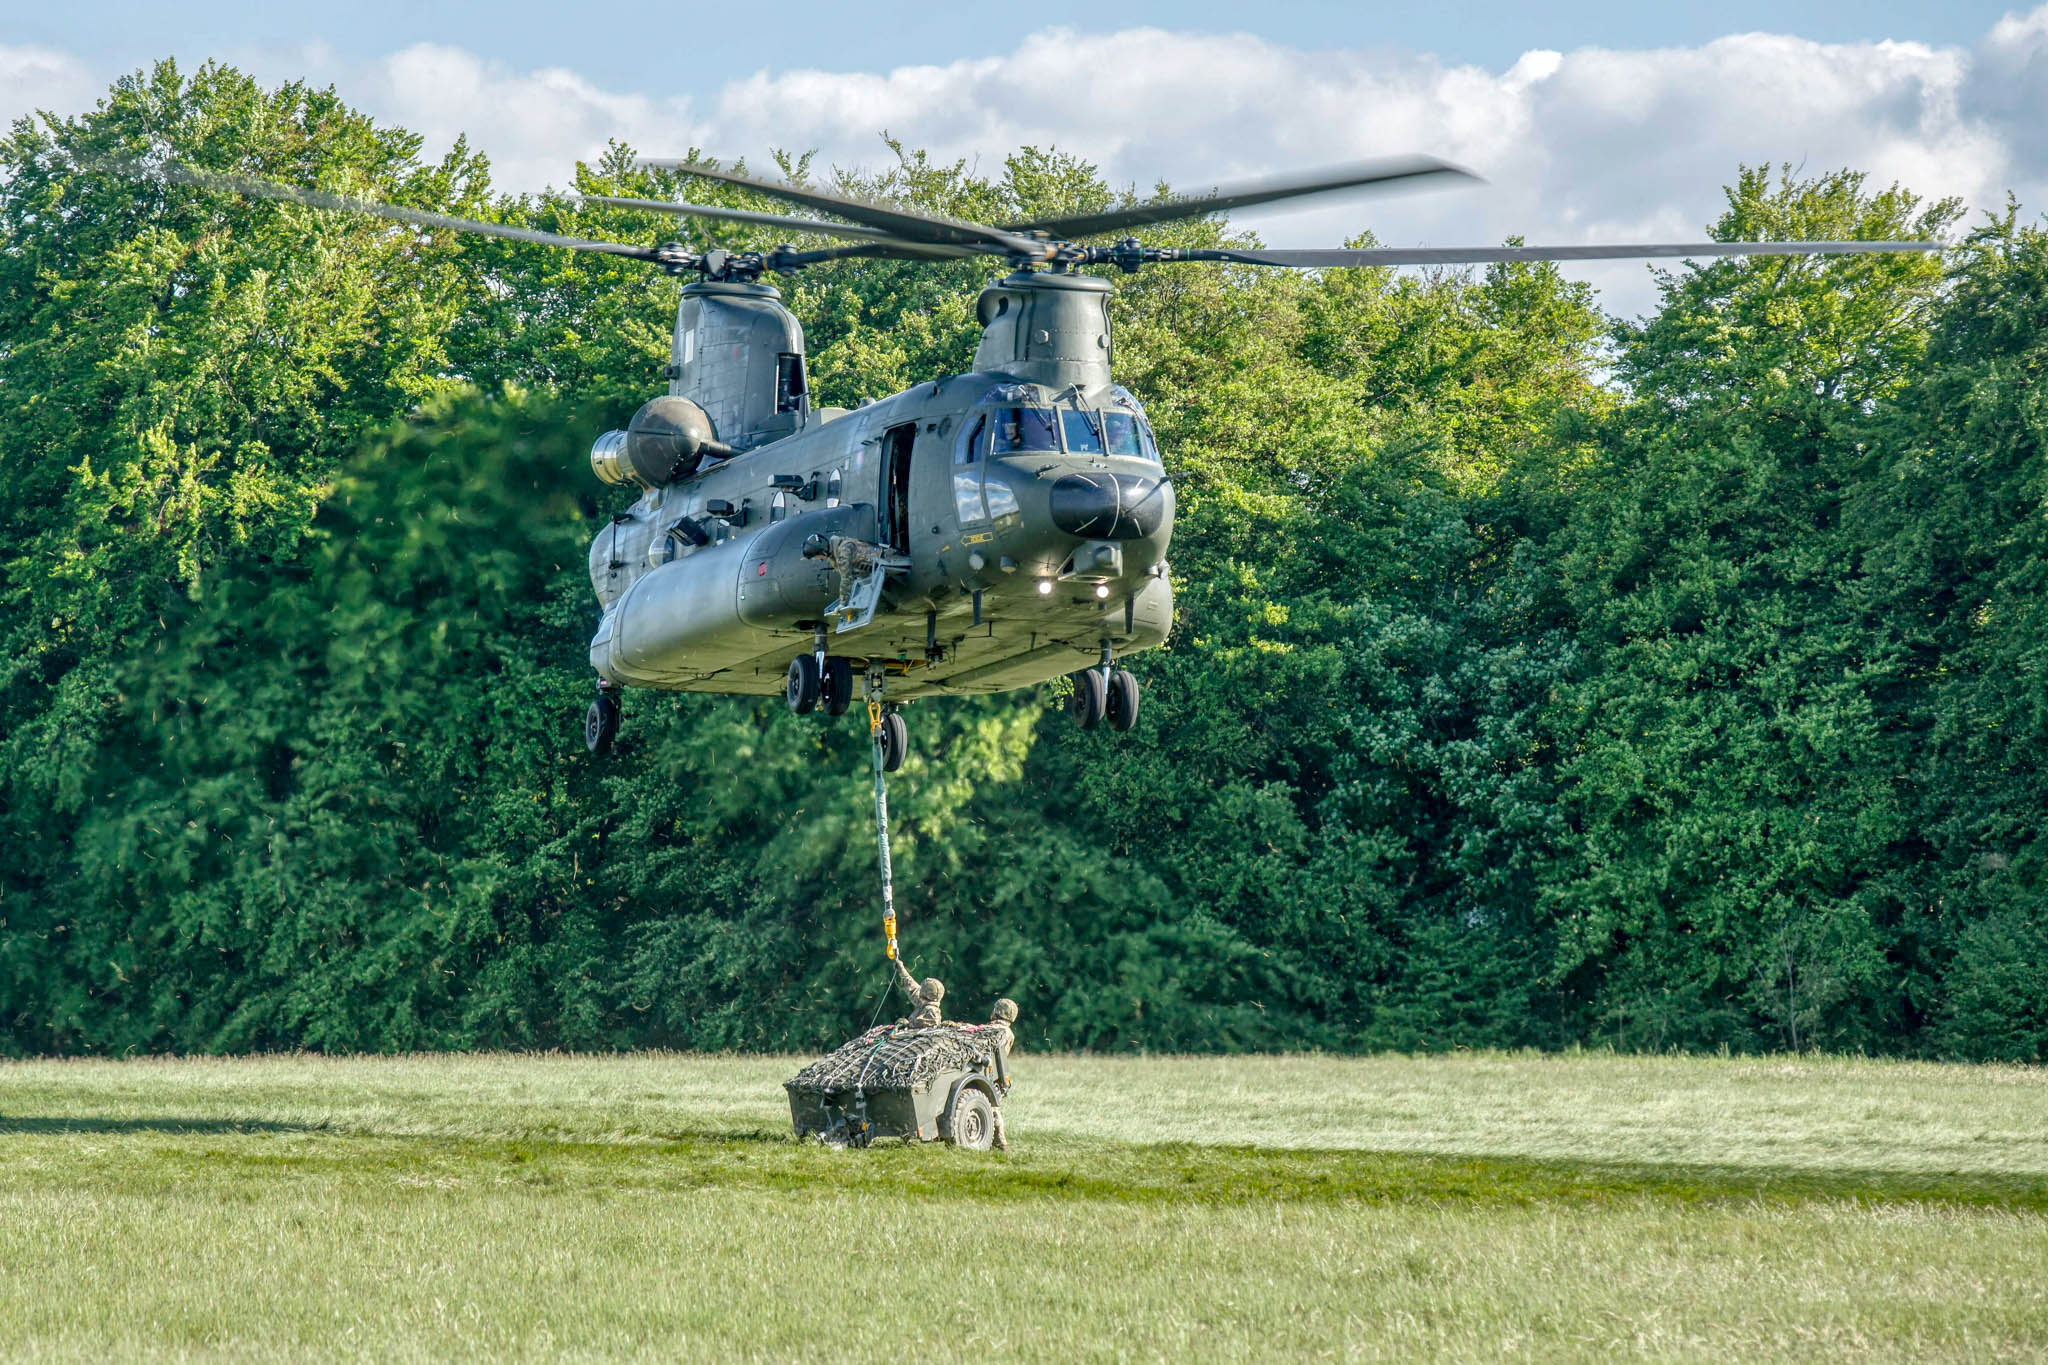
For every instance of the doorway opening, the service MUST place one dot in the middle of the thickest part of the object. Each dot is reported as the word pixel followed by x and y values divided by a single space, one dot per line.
pixel 896 448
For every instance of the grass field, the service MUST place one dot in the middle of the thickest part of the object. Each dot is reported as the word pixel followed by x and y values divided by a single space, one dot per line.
pixel 1297 1208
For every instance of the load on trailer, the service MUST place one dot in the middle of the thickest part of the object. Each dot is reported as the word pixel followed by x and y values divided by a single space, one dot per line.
pixel 924 1085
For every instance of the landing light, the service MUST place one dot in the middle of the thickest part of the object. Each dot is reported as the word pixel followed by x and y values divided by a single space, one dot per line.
pixel 1102 589
pixel 1045 587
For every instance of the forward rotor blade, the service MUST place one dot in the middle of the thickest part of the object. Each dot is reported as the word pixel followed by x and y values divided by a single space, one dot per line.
pixel 249 185
pixel 900 223
pixel 1317 258
pixel 1406 172
pixel 884 251
pixel 682 210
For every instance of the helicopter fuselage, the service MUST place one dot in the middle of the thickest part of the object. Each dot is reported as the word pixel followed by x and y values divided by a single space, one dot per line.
pixel 1022 507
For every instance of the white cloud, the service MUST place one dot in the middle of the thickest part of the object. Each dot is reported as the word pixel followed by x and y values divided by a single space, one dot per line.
pixel 1586 145
pixel 34 79
pixel 534 125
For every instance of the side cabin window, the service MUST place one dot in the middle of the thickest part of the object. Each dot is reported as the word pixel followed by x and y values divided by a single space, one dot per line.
pixel 969 449
pixel 1025 429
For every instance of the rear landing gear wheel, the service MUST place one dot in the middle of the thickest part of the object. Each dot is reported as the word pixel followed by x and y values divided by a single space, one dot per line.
pixel 1122 702
pixel 895 741
pixel 1089 700
pixel 601 724
pixel 836 685
pixel 801 687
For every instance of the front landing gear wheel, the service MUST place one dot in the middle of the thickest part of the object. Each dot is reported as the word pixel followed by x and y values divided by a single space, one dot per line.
pixel 601 724
pixel 801 687
pixel 1122 702
pixel 970 1124
pixel 895 741
pixel 836 685
pixel 1090 699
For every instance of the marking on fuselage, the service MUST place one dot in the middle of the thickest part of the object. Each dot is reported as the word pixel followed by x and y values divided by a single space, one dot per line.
pixel 978 538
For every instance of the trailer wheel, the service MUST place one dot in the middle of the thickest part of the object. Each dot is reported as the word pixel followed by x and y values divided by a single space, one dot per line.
pixel 970 1122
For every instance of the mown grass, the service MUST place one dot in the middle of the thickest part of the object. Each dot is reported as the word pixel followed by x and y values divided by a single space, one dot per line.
pixel 1253 1208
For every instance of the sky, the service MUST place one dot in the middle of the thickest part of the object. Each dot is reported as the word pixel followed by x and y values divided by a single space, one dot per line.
pixel 1589 122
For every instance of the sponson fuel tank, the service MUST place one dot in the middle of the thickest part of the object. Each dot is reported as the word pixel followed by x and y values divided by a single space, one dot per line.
pixel 723 604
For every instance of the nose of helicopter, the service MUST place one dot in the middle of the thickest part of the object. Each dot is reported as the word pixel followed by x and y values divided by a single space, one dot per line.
pixel 1044 508
pixel 1100 505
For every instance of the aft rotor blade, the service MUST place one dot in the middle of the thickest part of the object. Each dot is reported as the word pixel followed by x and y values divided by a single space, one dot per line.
pixel 1317 258
pixel 249 185
pixel 682 210
pixel 901 223
pixel 1406 172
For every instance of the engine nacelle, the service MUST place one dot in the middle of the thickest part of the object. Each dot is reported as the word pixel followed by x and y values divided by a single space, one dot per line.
pixel 666 441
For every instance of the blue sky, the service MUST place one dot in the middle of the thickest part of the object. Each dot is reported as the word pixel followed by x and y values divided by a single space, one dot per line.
pixel 1590 122
pixel 648 46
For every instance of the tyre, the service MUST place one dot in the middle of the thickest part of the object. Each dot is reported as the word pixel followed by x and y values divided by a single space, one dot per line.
pixel 970 1122
pixel 835 687
pixel 801 687
pixel 1122 703
pixel 1089 699
pixel 895 741
pixel 601 725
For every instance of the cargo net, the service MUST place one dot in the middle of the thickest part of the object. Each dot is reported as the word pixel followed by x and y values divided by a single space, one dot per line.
pixel 907 1061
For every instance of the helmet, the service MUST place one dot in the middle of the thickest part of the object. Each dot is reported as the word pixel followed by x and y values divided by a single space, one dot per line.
pixel 933 990
pixel 1005 1010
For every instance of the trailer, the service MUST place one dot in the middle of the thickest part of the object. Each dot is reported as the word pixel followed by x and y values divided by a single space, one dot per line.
pixel 921 1085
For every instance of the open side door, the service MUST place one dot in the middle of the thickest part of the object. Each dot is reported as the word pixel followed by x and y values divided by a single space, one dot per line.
pixel 897 444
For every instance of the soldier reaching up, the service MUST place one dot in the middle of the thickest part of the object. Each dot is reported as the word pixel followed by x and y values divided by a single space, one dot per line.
pixel 924 997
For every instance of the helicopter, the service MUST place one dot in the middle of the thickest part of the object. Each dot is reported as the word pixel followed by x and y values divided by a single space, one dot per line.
pixel 977 533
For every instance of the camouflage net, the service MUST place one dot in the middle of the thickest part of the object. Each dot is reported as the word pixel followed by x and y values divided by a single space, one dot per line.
pixel 907 1061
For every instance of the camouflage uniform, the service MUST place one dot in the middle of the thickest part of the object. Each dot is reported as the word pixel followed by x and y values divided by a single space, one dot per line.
pixel 924 997
pixel 855 560
pixel 999 1035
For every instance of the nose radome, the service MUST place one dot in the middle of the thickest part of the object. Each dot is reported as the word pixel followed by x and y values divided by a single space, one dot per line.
pixel 1104 506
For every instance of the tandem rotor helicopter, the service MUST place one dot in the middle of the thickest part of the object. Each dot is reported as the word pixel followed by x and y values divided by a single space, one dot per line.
pixel 977 533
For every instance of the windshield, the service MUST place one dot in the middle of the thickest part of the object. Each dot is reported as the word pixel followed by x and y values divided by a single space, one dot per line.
pixel 1122 430
pixel 1082 438
pixel 1025 429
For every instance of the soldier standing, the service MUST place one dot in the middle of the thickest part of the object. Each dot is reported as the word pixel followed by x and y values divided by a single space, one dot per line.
pixel 1000 1038
pixel 924 997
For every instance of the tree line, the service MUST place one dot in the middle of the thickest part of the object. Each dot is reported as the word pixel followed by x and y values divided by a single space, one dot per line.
pixel 1541 678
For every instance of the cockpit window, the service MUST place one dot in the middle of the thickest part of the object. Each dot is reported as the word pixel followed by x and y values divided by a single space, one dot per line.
pixel 1025 429
pixel 1082 437
pixel 1151 447
pixel 1122 430
pixel 970 444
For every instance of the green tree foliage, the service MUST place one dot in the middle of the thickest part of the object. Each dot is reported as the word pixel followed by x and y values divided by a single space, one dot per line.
pixel 1732 792
pixel 1537 679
